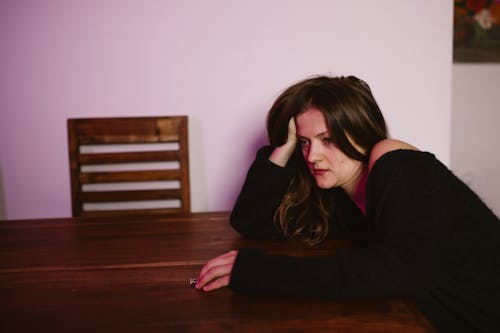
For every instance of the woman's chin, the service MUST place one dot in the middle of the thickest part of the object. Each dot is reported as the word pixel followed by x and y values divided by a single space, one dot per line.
pixel 323 185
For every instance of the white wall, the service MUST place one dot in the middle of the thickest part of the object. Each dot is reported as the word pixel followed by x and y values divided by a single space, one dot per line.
pixel 3 215
pixel 475 153
pixel 222 62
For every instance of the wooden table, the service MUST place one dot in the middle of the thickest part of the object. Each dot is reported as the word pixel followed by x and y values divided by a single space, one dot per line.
pixel 120 275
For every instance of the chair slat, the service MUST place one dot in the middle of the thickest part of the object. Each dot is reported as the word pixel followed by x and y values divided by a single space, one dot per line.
pixel 116 139
pixel 136 195
pixel 155 211
pixel 129 157
pixel 128 176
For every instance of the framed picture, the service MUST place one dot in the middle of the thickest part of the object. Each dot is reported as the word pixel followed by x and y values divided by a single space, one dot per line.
pixel 476 31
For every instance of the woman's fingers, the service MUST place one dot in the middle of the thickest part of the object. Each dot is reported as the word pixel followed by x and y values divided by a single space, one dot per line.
pixel 218 283
pixel 292 128
pixel 220 260
pixel 215 277
pixel 283 153
pixel 217 272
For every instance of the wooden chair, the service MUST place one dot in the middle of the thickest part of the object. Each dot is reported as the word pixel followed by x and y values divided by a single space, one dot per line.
pixel 123 166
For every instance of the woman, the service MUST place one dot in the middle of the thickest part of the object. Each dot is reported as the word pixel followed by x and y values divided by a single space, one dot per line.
pixel 331 170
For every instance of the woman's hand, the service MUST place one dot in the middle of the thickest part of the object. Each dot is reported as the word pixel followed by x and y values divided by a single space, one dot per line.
pixel 217 272
pixel 282 154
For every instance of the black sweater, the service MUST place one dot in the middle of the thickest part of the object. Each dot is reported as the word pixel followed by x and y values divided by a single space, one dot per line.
pixel 426 237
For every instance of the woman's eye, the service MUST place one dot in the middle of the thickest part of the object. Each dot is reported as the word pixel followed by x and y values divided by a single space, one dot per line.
pixel 328 140
pixel 303 142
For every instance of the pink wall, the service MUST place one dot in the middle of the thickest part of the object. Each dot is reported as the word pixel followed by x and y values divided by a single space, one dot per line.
pixel 221 62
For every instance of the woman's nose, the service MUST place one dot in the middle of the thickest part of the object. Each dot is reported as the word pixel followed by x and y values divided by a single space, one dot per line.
pixel 314 154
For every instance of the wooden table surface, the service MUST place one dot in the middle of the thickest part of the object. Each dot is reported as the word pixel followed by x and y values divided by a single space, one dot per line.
pixel 130 274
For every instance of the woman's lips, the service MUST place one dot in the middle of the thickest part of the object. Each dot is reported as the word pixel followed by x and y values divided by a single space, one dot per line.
pixel 318 172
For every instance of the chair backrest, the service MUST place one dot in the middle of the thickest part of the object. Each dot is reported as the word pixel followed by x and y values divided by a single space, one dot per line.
pixel 123 166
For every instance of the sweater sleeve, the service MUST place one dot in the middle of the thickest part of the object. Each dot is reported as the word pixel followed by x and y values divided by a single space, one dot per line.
pixel 398 206
pixel 262 192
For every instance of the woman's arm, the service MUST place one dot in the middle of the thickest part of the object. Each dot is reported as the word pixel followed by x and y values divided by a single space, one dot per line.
pixel 398 260
pixel 260 196
pixel 263 189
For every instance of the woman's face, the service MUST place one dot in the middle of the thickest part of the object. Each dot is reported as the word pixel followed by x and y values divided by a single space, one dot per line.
pixel 329 166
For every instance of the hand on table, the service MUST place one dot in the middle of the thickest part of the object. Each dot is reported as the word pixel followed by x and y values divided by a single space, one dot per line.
pixel 217 272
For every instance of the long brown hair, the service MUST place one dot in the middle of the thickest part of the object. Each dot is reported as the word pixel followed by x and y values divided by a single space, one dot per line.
pixel 352 116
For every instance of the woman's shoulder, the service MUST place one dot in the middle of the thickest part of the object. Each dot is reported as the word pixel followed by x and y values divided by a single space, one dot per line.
pixel 386 146
pixel 401 162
